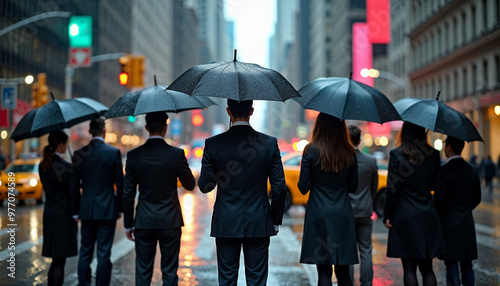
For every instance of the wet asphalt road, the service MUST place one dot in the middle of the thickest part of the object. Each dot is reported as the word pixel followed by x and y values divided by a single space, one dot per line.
pixel 197 257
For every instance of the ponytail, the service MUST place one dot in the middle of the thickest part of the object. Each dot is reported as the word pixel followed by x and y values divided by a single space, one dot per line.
pixel 48 157
pixel 55 138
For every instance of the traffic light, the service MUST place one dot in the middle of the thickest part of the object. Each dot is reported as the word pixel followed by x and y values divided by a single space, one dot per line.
pixel 132 71
pixel 40 91
pixel 124 76
pixel 34 95
pixel 137 78
pixel 80 31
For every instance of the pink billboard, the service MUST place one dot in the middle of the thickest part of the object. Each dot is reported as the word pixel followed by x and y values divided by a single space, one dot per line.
pixel 378 17
pixel 362 52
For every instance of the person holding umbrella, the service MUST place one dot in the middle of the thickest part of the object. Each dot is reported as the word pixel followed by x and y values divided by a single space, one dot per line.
pixel 155 167
pixel 240 162
pixel 461 193
pixel 415 234
pixel 329 171
pixel 59 228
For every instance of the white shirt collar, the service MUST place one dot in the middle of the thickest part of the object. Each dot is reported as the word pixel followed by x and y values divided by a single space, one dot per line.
pixel 453 157
pixel 240 123
pixel 156 137
pixel 98 138
pixel 58 154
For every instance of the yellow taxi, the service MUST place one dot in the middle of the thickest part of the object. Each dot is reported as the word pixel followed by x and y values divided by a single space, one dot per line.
pixel 291 166
pixel 28 185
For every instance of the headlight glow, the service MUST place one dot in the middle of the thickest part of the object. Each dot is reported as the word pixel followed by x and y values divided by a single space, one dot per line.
pixel 33 182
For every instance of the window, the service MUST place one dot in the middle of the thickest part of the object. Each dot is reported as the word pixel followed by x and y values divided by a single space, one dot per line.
pixel 485 15
pixel 497 71
pixel 474 78
pixel 473 20
pixel 464 28
pixel 484 78
pixel 464 82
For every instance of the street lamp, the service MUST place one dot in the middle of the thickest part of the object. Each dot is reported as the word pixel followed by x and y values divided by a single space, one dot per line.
pixel 374 73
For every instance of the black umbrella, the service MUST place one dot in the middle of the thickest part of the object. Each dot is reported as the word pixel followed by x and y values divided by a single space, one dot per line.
pixel 155 98
pixel 346 98
pixel 234 80
pixel 438 117
pixel 58 114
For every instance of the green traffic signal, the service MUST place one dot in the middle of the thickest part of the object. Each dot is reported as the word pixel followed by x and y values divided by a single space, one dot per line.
pixel 131 118
pixel 80 31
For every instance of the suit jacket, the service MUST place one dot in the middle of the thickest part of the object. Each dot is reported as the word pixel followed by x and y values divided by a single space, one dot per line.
pixel 239 162
pixel 98 169
pixel 459 195
pixel 362 199
pixel 155 167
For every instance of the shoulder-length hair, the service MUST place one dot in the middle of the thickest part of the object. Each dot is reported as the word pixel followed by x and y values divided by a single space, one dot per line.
pixel 413 143
pixel 331 138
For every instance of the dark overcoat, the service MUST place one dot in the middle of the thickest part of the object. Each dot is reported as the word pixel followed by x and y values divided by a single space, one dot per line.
pixel 416 232
pixel 59 227
pixel 460 194
pixel 329 234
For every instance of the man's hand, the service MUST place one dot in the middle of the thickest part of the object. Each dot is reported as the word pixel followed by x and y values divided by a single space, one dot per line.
pixel 388 224
pixel 130 234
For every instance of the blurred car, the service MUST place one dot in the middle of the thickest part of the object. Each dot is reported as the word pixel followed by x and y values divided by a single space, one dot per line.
pixel 195 166
pixel 291 166
pixel 28 184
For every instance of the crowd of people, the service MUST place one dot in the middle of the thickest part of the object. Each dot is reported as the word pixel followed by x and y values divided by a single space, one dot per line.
pixel 340 179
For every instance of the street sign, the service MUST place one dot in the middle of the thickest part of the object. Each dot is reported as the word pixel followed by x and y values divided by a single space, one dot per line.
pixel 9 97
pixel 80 57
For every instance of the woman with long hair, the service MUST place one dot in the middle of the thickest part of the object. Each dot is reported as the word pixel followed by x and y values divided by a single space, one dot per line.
pixel 59 227
pixel 415 234
pixel 329 171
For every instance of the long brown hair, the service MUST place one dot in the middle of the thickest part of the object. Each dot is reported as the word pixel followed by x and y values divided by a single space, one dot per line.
pixel 55 138
pixel 331 138
pixel 413 143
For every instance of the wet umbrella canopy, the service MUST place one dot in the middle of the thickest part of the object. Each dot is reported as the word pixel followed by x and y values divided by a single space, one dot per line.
pixel 58 114
pixel 438 117
pixel 155 98
pixel 346 98
pixel 235 80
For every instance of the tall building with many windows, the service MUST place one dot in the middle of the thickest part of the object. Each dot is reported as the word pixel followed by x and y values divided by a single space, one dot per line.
pixel 454 48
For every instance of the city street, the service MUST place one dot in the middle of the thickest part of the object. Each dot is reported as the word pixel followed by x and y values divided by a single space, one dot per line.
pixel 197 257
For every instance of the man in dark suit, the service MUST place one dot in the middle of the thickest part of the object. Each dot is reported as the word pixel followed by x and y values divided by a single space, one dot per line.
pixel 459 194
pixel 155 167
pixel 98 170
pixel 362 206
pixel 239 162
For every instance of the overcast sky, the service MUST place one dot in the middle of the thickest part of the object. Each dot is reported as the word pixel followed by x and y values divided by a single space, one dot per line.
pixel 254 24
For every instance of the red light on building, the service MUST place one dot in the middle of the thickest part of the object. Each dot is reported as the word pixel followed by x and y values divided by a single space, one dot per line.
pixel 378 18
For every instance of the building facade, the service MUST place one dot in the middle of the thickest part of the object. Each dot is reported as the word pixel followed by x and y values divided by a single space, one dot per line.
pixel 454 48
